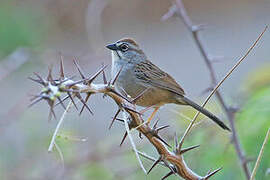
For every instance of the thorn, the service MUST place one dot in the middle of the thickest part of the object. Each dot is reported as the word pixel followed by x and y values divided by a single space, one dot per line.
pixel 132 110
pixel 167 175
pixel 44 96
pixel 62 75
pixel 65 79
pixel 35 101
pixel 139 96
pixel 79 68
pixel 61 102
pixel 35 80
pixel 188 149
pixel 49 77
pixel 162 127
pixel 123 92
pixel 76 82
pixel 81 99
pixel 155 131
pixel 175 141
pixel 51 113
pixel 212 173
pixel 117 75
pixel 104 76
pixel 70 96
pixel 34 97
pixel 118 94
pixel 155 125
pixel 96 74
pixel 168 165
pixel 65 98
pixel 125 135
pixel 86 99
pixel 157 136
pixel 50 117
pixel 154 164
pixel 114 118
pixel 40 78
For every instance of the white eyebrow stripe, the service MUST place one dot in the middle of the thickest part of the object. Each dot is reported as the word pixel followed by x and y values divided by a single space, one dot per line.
pixel 129 44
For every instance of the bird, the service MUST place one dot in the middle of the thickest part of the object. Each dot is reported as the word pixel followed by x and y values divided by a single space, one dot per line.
pixel 138 75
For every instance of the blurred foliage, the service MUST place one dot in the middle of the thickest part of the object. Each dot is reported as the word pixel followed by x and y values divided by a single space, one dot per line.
pixel 258 79
pixel 253 123
pixel 20 26
pixel 96 171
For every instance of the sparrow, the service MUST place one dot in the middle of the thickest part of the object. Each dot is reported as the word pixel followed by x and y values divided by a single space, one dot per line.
pixel 139 75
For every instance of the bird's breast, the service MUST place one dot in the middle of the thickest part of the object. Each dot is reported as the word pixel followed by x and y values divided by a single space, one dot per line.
pixel 126 79
pixel 128 82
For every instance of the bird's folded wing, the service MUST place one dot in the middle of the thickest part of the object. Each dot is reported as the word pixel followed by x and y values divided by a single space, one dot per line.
pixel 150 74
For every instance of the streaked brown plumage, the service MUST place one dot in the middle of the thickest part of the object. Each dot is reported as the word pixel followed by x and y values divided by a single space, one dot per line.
pixel 139 74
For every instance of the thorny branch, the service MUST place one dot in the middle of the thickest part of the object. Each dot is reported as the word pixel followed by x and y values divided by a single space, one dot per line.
pixel 179 9
pixel 54 88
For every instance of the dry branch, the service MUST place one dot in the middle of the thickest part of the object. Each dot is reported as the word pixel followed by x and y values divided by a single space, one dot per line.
pixel 174 161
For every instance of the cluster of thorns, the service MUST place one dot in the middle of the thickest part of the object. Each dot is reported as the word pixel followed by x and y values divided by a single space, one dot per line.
pixel 53 90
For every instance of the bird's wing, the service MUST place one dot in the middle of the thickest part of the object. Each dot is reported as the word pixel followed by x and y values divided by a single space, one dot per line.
pixel 148 73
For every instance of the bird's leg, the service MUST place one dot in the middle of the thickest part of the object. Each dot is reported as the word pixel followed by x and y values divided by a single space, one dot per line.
pixel 145 109
pixel 150 118
pixel 152 115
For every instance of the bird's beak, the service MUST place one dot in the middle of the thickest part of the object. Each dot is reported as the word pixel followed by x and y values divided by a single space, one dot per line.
pixel 112 47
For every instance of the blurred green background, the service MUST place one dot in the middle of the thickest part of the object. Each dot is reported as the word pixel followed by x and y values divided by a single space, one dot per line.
pixel 33 32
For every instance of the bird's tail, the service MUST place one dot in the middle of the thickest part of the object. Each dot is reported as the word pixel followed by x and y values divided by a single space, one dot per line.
pixel 185 100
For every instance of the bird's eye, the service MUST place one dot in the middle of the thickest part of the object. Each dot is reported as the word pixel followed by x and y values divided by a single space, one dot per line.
pixel 124 47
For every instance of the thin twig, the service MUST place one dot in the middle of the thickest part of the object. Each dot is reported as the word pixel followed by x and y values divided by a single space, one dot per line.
pixel 125 117
pixel 58 127
pixel 252 177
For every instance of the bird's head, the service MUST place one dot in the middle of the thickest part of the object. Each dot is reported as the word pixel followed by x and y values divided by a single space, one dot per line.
pixel 126 49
